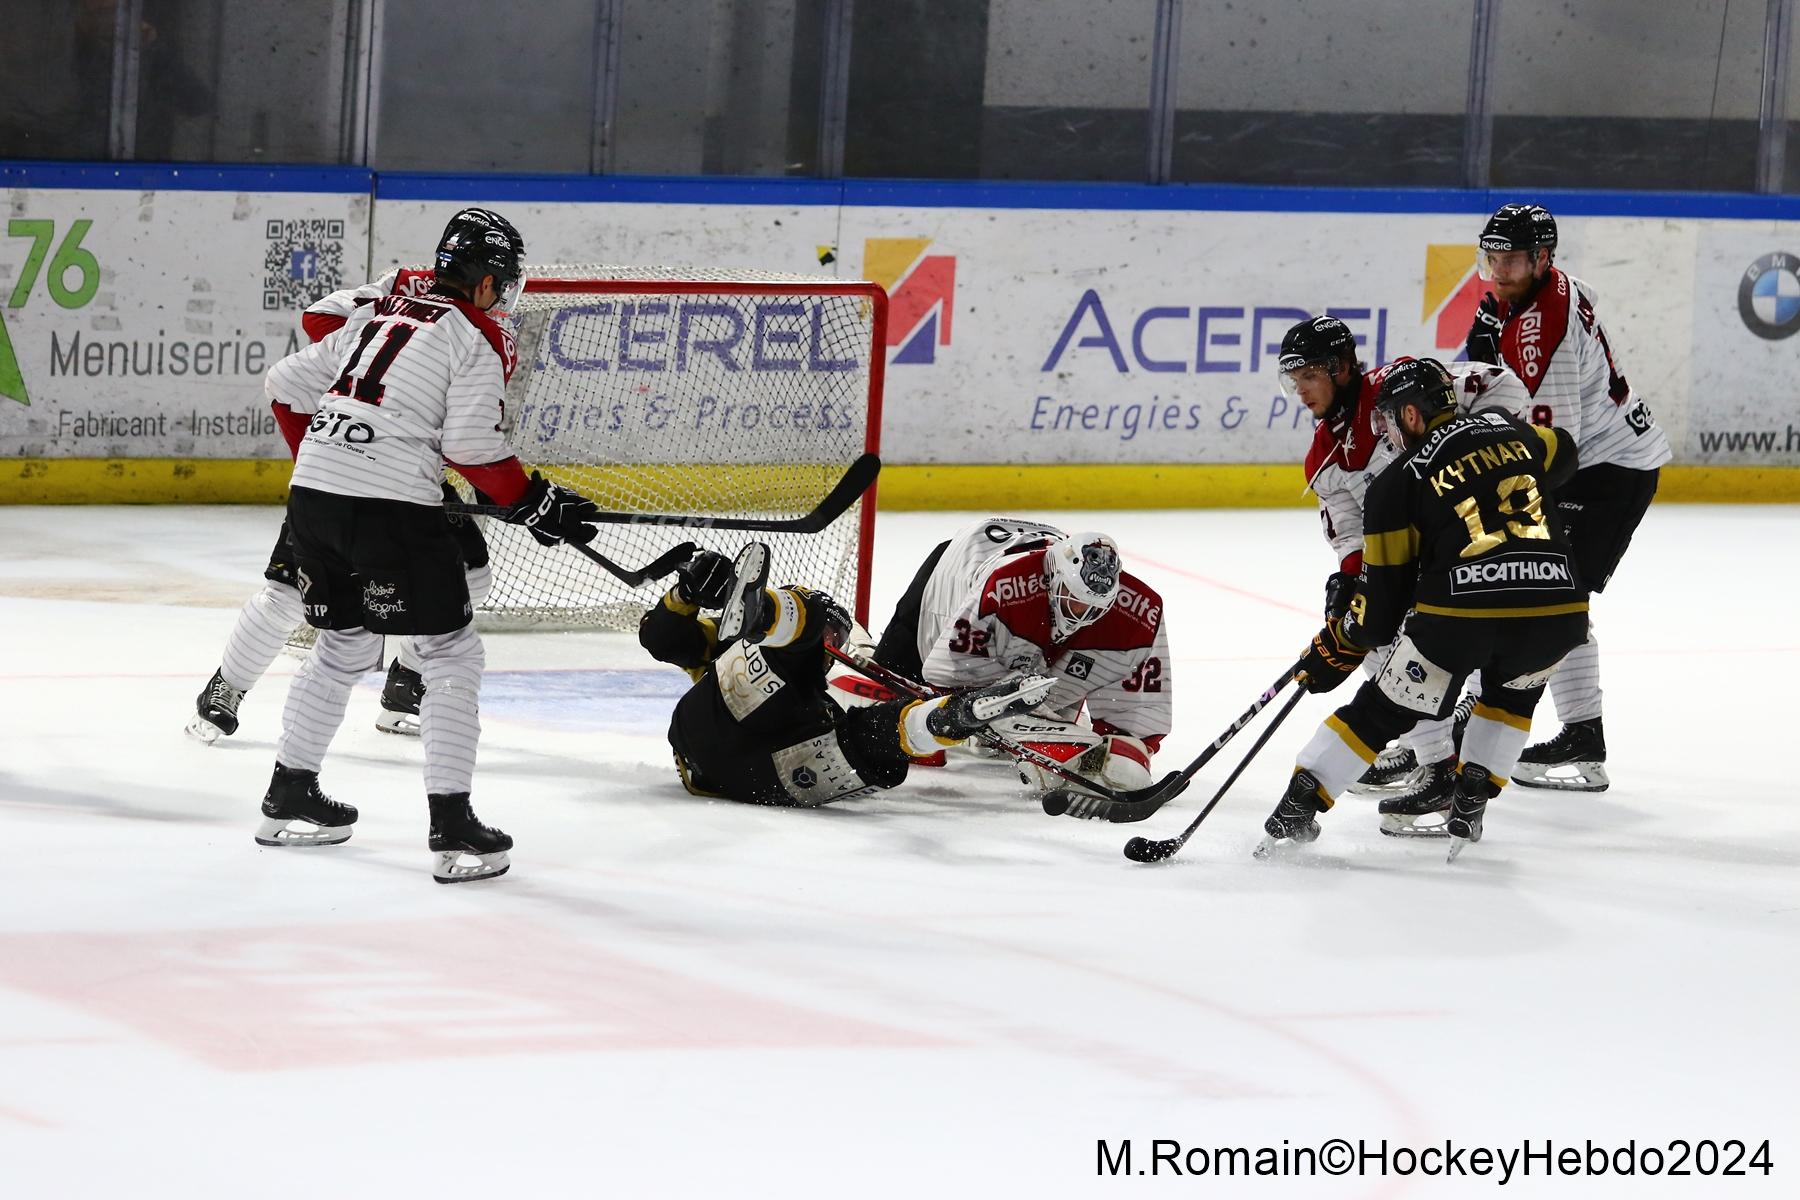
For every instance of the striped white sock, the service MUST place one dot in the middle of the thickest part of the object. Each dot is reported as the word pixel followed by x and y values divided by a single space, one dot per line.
pixel 1430 740
pixel 319 693
pixel 450 715
pixel 263 627
pixel 1576 685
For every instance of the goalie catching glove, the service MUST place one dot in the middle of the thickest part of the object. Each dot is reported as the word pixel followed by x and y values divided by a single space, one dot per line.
pixel 554 513
pixel 1115 761
pixel 1332 658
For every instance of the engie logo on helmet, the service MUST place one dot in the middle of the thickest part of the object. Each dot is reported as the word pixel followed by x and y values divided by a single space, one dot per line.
pixel 921 295
pixel 1769 296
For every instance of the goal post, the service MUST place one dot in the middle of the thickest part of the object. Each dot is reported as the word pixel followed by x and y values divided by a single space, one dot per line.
pixel 663 390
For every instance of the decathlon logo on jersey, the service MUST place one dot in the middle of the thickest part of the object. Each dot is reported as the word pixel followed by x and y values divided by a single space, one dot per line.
pixel 1513 573
pixel 1769 296
pixel 921 295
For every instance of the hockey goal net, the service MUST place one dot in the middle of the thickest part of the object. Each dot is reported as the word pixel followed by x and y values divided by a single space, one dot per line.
pixel 711 393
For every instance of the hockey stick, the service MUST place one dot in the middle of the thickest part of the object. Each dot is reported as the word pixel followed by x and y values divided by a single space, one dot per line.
pixel 1143 850
pixel 919 691
pixel 656 568
pixel 1126 807
pixel 855 482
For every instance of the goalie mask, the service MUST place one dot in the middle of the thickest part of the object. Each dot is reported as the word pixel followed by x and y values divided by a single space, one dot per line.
pixel 1081 578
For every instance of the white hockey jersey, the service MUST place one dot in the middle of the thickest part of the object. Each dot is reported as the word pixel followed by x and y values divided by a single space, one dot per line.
pixel 404 387
pixel 985 615
pixel 1345 454
pixel 1556 345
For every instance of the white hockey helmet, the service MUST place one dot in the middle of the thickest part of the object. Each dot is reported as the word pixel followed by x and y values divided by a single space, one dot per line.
pixel 1081 577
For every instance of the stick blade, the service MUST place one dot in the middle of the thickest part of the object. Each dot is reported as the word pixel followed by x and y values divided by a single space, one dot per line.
pixel 1143 850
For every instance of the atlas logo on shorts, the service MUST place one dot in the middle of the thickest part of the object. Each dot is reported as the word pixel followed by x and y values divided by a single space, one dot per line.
pixel 1079 666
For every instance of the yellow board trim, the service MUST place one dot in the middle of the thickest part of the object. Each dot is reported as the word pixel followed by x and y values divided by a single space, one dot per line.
pixel 1546 610
pixel 901 489
pixel 1489 713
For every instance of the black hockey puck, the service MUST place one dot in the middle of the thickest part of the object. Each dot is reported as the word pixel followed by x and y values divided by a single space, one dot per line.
pixel 1056 801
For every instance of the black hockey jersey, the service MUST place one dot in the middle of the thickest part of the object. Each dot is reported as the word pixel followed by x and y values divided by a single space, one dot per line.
pixel 1463 527
pixel 748 698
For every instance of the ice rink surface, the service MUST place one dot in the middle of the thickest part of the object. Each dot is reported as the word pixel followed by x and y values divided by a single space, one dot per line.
pixel 938 992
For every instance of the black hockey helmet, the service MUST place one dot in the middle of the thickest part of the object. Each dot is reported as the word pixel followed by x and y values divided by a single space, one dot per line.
pixel 1424 383
pixel 1317 341
pixel 479 242
pixel 1519 227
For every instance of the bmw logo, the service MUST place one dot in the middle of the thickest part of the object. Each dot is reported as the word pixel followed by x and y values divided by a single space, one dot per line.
pixel 1769 296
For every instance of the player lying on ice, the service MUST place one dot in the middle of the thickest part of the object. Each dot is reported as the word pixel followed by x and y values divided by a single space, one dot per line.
pixel 758 725
pixel 1007 595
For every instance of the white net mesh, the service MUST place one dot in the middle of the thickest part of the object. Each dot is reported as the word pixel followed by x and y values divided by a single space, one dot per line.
pixel 711 393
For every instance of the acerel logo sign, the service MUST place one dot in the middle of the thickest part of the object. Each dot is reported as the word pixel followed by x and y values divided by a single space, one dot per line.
pixel 921 295
pixel 1453 292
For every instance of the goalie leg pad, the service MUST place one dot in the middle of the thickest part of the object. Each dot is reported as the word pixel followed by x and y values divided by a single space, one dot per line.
pixel 1113 760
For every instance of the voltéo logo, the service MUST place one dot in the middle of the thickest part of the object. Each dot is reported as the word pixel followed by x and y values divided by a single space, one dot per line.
pixel 1769 296
pixel 921 295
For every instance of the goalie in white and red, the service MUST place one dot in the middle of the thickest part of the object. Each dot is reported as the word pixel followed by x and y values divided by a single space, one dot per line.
pixel 1008 595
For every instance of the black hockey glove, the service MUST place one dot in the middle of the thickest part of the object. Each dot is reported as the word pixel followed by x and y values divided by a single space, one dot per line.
pixel 1330 659
pixel 1340 588
pixel 554 513
pixel 704 580
pixel 1484 333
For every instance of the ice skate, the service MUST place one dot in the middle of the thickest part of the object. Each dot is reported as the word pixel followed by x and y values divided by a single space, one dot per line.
pixel 969 712
pixel 746 612
pixel 456 831
pixel 400 699
pixel 1430 798
pixel 1394 769
pixel 215 710
pixel 1292 820
pixel 294 796
pixel 1572 761
pixel 1474 788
